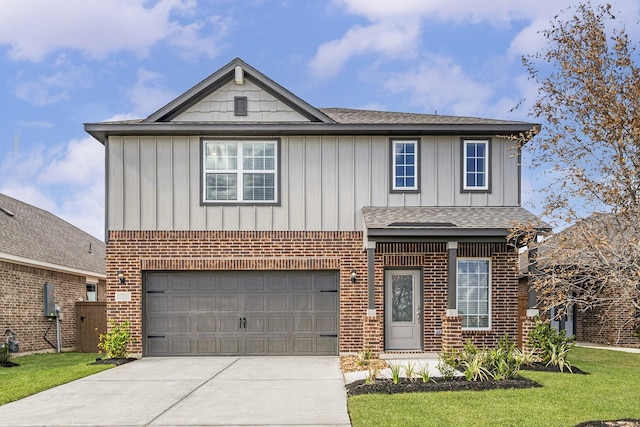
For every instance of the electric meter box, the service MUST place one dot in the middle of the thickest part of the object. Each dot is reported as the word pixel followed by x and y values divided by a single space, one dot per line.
pixel 49 300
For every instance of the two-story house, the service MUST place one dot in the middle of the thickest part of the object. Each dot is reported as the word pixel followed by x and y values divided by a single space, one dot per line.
pixel 242 220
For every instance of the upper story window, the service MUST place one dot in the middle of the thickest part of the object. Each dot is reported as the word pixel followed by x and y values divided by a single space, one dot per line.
pixel 240 171
pixel 474 292
pixel 405 169
pixel 475 164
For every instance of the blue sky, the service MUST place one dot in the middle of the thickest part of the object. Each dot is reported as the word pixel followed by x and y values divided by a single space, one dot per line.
pixel 67 62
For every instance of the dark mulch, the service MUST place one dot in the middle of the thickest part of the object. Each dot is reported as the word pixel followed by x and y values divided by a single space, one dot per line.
pixel 8 364
pixel 544 368
pixel 116 362
pixel 614 423
pixel 386 386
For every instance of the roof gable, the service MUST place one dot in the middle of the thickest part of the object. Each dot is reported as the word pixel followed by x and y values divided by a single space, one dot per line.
pixel 212 99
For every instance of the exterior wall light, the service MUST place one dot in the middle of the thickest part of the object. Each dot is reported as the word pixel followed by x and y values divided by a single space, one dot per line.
pixel 353 275
pixel 121 276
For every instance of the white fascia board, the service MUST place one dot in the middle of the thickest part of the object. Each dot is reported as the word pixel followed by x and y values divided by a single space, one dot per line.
pixel 90 275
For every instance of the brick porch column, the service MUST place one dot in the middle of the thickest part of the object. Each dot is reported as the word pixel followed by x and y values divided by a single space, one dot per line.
pixel 528 324
pixel 372 334
pixel 451 331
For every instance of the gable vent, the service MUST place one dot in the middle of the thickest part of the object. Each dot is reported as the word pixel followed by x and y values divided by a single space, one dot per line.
pixel 240 106
pixel 6 211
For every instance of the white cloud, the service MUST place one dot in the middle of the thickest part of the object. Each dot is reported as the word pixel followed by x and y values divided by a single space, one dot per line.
pixel 35 29
pixel 391 40
pixel 73 173
pixel 55 87
pixel 439 84
pixel 147 95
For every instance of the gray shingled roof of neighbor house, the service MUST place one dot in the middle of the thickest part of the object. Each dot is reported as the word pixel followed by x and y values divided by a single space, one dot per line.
pixel 32 233
pixel 446 221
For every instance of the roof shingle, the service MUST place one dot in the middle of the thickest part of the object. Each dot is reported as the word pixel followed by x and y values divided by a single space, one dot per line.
pixel 36 234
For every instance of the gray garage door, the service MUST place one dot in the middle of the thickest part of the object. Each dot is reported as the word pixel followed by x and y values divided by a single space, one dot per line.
pixel 240 313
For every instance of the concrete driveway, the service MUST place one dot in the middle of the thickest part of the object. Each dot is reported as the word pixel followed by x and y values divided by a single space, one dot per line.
pixel 214 391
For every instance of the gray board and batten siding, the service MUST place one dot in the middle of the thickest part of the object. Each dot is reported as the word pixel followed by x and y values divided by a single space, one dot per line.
pixel 154 183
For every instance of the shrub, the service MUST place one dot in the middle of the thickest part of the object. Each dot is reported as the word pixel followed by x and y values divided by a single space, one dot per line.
pixel 115 342
pixel 5 354
pixel 550 345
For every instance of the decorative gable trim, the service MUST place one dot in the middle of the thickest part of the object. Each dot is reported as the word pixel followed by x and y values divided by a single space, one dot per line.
pixel 225 75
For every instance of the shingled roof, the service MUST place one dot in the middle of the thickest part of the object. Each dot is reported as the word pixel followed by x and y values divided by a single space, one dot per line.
pixel 29 234
pixel 351 116
pixel 446 221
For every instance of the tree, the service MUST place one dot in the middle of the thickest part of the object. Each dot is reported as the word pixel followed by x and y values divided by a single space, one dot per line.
pixel 589 105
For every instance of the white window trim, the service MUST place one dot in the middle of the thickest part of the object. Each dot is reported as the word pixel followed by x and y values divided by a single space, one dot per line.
pixel 239 172
pixel 415 165
pixel 488 328
pixel 465 186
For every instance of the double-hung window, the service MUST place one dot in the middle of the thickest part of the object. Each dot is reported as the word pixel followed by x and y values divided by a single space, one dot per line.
pixel 405 169
pixel 474 292
pixel 475 164
pixel 240 171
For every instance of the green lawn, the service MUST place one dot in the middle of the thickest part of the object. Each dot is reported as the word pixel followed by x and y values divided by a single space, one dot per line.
pixel 42 371
pixel 609 392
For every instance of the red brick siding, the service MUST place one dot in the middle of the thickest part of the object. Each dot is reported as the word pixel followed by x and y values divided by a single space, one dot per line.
pixel 592 326
pixel 133 252
pixel 22 304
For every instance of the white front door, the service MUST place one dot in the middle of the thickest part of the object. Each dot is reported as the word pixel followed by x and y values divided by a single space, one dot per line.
pixel 403 310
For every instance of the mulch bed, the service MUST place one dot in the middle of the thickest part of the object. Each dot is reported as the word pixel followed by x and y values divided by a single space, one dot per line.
pixel 116 362
pixel 541 367
pixel 386 386
pixel 615 423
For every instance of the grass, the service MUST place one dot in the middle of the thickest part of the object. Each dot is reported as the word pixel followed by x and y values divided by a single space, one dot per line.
pixel 609 392
pixel 39 372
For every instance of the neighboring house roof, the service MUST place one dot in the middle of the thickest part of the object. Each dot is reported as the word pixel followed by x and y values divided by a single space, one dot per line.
pixel 29 235
pixel 446 221
pixel 331 121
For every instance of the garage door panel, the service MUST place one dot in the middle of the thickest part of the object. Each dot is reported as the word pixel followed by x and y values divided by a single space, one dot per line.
pixel 206 303
pixel 303 345
pixel 229 345
pixel 302 324
pixel 254 283
pixel 255 324
pixel 158 324
pixel 158 346
pixel 157 303
pixel 181 346
pixel 327 302
pixel 326 325
pixel 229 303
pixel 326 282
pixel 206 346
pixel 277 282
pixel 303 282
pixel 181 324
pixel 180 303
pixel 278 346
pixel 255 346
pixel 278 324
pixel 206 324
pixel 303 302
pixel 230 324
pixel 235 313
pixel 228 283
pixel 254 303
pixel 277 303
pixel 326 346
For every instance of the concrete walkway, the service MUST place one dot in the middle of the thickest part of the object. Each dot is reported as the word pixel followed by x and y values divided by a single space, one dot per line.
pixel 607 347
pixel 214 391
